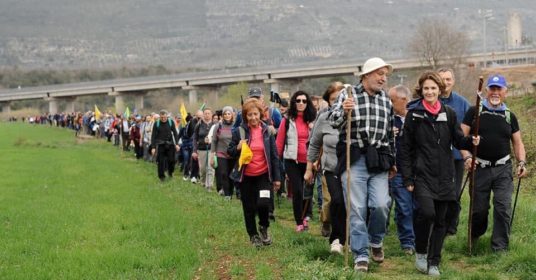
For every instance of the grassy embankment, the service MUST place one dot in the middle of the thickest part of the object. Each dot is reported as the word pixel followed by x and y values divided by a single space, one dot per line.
pixel 79 209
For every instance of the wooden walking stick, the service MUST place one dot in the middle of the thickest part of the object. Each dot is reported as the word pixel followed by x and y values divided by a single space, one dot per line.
pixel 348 210
pixel 472 170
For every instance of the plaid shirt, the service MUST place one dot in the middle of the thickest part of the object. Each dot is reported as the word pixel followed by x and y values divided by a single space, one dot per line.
pixel 372 117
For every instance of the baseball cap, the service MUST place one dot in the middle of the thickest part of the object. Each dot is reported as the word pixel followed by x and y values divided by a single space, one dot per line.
pixel 497 80
pixel 255 92
pixel 374 64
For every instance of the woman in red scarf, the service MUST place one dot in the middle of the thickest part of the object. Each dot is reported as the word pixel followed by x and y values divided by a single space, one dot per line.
pixel 427 165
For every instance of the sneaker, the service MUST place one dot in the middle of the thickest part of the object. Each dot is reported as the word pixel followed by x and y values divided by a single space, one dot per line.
pixel 305 224
pixel 336 247
pixel 185 178
pixel 421 262
pixel 162 179
pixel 326 229
pixel 361 266
pixel 227 198
pixel 220 192
pixel 300 228
pixel 265 237
pixel 271 216
pixel 377 254
pixel 256 241
pixel 193 180
pixel 433 270
pixel 408 251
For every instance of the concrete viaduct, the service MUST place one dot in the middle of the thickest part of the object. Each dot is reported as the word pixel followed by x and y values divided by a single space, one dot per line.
pixel 138 87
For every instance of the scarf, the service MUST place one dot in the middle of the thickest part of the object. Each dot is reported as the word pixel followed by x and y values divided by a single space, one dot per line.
pixel 488 106
pixel 432 109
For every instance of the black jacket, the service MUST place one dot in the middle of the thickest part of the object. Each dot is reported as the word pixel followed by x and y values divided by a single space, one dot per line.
pixel 270 151
pixel 426 156
pixel 164 134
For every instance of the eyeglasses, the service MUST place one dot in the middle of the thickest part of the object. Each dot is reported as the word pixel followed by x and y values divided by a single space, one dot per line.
pixel 304 101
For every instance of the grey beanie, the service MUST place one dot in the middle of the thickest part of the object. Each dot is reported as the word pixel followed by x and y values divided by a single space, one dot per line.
pixel 227 108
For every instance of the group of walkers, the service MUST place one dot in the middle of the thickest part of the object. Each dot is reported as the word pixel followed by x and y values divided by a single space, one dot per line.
pixel 367 147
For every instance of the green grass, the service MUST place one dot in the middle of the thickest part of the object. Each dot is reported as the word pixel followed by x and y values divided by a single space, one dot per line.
pixel 80 209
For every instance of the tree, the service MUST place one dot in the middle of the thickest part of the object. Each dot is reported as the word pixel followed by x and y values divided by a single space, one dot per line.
pixel 436 43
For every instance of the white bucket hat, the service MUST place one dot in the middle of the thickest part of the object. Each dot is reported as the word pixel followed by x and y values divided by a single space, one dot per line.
pixel 373 64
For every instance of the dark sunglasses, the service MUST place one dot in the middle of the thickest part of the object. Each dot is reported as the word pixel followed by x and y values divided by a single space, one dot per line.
pixel 304 101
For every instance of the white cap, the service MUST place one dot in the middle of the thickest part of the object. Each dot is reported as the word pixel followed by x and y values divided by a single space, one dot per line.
pixel 373 64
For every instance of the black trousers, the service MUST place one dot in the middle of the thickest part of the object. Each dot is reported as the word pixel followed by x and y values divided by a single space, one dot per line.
pixel 499 180
pixel 337 209
pixel 430 229
pixel 250 189
pixel 165 159
pixel 295 172
pixel 225 166
pixel 126 141
pixel 454 208
pixel 138 149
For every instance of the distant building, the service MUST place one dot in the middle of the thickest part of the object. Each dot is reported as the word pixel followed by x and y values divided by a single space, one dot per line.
pixel 515 30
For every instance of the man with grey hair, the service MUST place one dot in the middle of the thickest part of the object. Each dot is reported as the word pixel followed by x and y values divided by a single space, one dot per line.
pixel 400 96
pixel 164 142
pixel 371 137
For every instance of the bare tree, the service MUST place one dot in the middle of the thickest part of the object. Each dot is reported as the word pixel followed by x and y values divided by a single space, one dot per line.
pixel 436 43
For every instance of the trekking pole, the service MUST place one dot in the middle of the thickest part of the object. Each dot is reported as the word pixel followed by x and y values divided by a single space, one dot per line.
pixel 464 184
pixel 515 203
pixel 473 162
pixel 348 131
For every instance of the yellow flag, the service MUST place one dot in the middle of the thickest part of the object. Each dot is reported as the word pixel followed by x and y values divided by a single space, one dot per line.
pixel 97 112
pixel 184 113
pixel 245 155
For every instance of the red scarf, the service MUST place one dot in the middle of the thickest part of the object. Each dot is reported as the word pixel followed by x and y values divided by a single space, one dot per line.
pixel 432 109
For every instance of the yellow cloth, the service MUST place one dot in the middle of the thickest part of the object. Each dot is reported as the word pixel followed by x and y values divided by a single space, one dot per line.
pixel 245 155
pixel 184 113
pixel 97 112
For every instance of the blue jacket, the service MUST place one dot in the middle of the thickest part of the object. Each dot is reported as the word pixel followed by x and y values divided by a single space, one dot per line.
pixel 270 151
pixel 460 106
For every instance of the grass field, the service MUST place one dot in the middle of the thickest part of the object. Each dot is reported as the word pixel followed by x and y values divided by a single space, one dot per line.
pixel 80 209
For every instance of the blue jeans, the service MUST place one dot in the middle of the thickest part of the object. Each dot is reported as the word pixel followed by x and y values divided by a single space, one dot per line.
pixel 404 209
pixel 369 193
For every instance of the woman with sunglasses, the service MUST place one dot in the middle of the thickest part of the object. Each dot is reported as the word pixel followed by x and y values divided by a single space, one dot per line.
pixel 292 147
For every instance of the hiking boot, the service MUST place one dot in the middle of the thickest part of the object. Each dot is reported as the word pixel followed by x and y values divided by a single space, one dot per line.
pixel 256 241
pixel 193 180
pixel 326 229
pixel 220 192
pixel 433 270
pixel 299 228
pixel 377 254
pixel 409 251
pixel 185 178
pixel 228 198
pixel 361 266
pixel 265 237
pixel 271 216
pixel 421 262
pixel 305 224
pixel 336 247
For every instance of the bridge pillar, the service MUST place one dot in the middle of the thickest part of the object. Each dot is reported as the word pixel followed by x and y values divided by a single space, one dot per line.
pixel 70 105
pixel 6 107
pixel 192 96
pixel 119 101
pixel 52 105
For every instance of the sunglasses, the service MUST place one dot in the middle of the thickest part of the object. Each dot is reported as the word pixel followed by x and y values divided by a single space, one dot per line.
pixel 304 101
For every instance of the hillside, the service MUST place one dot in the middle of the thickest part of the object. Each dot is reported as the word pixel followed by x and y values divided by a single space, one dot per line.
pixel 233 33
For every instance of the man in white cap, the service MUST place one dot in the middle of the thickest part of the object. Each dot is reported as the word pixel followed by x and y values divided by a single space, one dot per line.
pixel 371 157
pixel 498 128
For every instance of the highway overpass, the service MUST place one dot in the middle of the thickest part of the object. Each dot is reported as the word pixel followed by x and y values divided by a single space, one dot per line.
pixel 138 87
